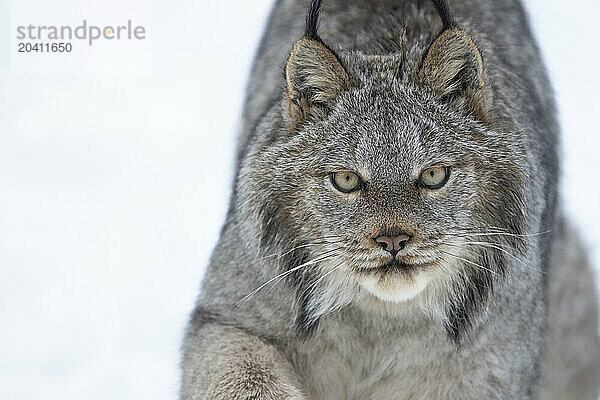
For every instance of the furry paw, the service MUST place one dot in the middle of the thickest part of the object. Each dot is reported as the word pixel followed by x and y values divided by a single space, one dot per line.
pixel 254 382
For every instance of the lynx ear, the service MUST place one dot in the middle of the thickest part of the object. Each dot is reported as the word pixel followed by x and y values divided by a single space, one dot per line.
pixel 314 75
pixel 315 78
pixel 453 68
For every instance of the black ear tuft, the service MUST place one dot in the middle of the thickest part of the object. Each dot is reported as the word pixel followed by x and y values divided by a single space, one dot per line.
pixel 312 20
pixel 442 8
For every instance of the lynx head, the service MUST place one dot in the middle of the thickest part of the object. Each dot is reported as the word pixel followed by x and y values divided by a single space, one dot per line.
pixel 385 177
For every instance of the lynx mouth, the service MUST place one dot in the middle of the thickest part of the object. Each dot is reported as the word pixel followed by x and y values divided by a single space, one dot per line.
pixel 393 267
pixel 395 281
pixel 396 266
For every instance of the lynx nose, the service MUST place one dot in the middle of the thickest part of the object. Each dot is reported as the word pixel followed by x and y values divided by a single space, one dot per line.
pixel 393 243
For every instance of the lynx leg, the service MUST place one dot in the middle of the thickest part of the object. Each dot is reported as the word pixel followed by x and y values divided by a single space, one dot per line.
pixel 223 363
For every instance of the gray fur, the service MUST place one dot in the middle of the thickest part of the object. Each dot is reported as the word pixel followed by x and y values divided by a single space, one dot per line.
pixel 287 308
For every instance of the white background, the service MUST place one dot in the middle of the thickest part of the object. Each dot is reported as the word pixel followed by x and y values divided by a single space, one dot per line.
pixel 113 186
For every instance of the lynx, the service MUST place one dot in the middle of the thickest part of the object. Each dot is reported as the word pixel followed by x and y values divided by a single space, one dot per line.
pixel 394 230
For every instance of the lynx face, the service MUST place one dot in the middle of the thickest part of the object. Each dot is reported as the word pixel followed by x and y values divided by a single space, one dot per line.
pixel 383 177
pixel 395 231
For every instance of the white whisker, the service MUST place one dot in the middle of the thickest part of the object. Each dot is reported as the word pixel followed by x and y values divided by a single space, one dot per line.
pixel 292 250
pixel 497 233
pixel 498 247
pixel 320 258
pixel 471 262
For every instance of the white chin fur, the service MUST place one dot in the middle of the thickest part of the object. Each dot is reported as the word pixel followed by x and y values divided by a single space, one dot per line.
pixel 394 287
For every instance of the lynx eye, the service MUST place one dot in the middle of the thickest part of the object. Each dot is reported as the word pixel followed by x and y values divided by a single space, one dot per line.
pixel 345 181
pixel 434 177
